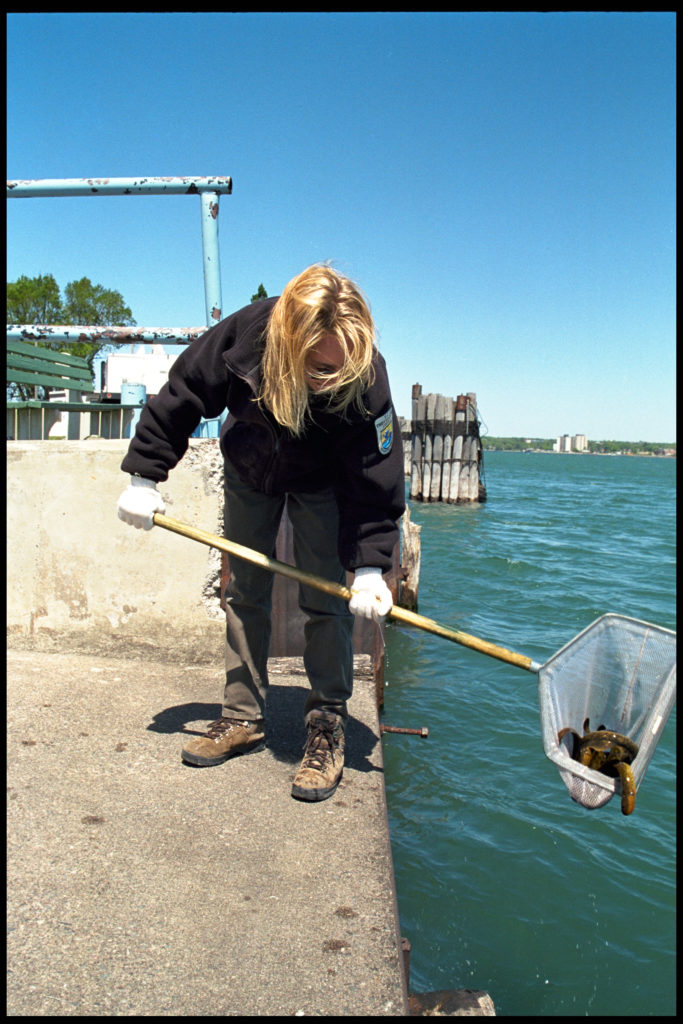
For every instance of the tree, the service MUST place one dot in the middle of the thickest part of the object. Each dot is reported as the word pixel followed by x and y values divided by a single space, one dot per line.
pixel 91 304
pixel 34 300
pixel 260 294
pixel 37 300
pixel 87 303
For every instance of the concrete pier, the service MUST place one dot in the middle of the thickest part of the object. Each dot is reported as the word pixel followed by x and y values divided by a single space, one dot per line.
pixel 139 886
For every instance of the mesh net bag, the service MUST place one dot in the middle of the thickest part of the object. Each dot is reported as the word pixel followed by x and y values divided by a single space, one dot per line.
pixel 620 674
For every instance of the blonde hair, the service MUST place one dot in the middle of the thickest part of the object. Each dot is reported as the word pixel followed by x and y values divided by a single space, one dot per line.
pixel 317 303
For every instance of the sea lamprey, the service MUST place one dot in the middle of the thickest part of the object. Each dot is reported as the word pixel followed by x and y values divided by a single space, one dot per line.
pixel 608 752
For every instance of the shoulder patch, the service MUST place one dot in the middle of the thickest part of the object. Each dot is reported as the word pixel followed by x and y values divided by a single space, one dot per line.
pixel 384 425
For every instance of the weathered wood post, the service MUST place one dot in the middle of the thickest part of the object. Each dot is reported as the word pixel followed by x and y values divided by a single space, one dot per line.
pixel 417 430
pixel 428 450
pixel 472 430
pixel 465 467
pixel 458 438
pixel 410 562
pixel 447 450
pixel 439 427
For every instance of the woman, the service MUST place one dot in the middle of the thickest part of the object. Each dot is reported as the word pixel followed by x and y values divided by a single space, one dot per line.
pixel 310 422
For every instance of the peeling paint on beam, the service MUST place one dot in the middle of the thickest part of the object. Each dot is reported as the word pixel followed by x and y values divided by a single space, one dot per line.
pixel 122 335
pixel 28 189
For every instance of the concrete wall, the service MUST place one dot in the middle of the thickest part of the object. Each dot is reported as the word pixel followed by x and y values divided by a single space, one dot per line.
pixel 80 579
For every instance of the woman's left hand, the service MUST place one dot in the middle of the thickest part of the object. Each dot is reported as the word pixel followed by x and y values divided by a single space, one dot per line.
pixel 371 597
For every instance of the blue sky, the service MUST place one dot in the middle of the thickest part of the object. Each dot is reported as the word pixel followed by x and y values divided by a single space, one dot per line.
pixel 501 186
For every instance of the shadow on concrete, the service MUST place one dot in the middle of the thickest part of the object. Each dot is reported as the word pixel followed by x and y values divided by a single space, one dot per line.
pixel 173 719
pixel 285 730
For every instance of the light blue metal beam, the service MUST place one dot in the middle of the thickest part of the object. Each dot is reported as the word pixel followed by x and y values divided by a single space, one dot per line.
pixel 120 335
pixel 117 187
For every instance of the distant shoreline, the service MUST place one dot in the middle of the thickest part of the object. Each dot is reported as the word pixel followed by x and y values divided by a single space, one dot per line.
pixel 669 454
pixel 652 449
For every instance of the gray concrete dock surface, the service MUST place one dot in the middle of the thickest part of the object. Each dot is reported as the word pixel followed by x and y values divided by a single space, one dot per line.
pixel 138 885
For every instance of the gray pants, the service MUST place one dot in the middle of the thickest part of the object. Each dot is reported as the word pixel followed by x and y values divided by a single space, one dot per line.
pixel 253 519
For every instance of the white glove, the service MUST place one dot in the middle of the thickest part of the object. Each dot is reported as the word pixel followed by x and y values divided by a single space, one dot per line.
pixel 371 597
pixel 139 502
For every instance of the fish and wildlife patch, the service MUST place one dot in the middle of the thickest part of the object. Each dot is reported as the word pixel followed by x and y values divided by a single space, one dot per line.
pixel 384 425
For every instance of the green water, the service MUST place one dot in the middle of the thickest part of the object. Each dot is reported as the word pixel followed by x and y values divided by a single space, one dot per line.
pixel 504 884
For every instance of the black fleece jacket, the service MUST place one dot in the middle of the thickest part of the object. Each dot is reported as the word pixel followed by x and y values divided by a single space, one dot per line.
pixel 360 457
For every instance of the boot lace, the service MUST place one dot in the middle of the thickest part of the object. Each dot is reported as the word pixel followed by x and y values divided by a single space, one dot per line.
pixel 223 725
pixel 319 746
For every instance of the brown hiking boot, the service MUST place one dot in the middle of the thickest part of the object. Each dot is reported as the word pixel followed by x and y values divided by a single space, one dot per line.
pixel 224 738
pixel 321 769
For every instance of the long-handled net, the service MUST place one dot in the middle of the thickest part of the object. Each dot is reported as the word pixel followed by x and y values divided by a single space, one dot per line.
pixel 618 676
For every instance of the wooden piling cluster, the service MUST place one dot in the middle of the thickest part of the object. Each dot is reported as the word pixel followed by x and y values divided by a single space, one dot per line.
pixel 446 452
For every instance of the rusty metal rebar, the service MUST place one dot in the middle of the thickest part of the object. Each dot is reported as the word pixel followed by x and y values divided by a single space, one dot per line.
pixel 424 731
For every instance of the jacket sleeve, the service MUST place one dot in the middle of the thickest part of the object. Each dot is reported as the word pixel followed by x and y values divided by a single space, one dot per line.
pixel 370 488
pixel 197 387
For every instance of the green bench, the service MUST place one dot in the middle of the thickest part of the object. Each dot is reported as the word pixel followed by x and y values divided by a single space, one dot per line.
pixel 42 367
pixel 29 364
pixel 32 419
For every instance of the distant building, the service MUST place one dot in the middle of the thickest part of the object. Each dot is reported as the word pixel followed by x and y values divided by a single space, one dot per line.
pixel 569 443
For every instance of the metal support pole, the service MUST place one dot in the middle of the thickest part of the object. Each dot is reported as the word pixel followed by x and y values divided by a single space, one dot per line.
pixel 212 266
